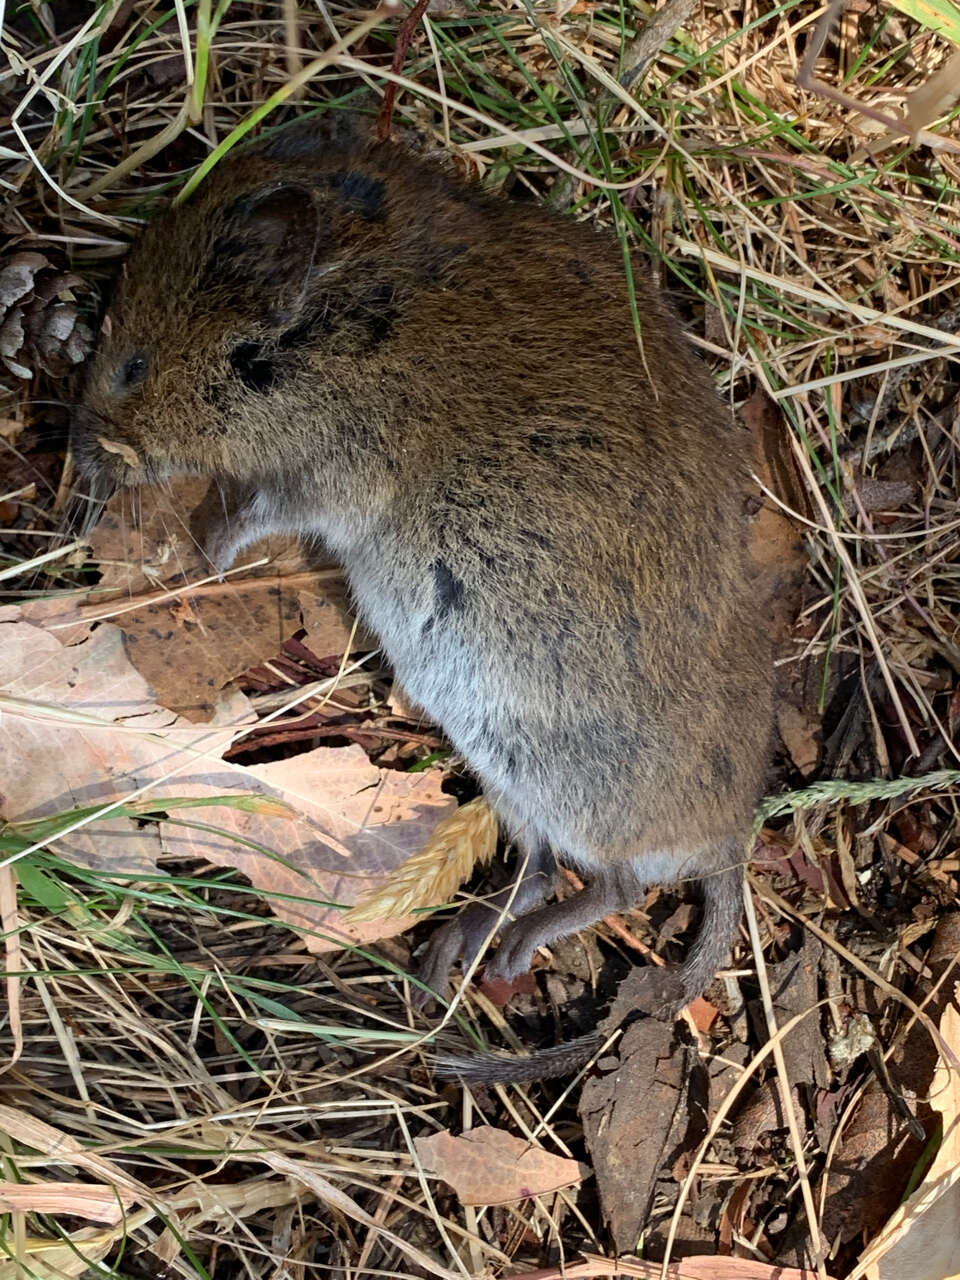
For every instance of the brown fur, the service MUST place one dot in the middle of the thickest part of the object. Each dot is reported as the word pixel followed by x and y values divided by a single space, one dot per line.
pixel 545 528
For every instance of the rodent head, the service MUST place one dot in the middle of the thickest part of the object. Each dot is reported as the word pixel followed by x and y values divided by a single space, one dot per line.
pixel 208 318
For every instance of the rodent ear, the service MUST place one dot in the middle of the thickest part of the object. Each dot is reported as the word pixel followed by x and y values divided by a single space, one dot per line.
pixel 266 249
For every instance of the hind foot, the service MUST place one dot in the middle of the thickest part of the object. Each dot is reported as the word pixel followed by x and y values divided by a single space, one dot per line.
pixel 464 937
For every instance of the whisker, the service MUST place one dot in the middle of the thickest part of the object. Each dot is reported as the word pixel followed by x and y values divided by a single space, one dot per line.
pixel 224 506
pixel 139 499
pixel 86 507
pixel 125 496
pixel 33 402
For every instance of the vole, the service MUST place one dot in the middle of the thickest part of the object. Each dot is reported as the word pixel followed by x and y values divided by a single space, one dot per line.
pixel 541 517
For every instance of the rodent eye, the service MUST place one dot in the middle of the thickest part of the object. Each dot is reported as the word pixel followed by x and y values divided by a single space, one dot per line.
pixel 134 371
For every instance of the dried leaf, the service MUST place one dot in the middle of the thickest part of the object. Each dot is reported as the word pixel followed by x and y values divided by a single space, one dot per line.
pixel 94 1203
pixel 921 1239
pixel 703 1014
pixel 491 1166
pixel 325 612
pixel 148 568
pixel 66 1259
pixel 632 1116
pixel 466 839
pixel 356 824
pixel 352 823
pixel 794 985
pixel 10 924
pixel 935 97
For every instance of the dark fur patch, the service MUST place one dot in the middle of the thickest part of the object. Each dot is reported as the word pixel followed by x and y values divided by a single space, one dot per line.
pixel 364 195
pixel 247 362
pixel 293 144
pixel 721 769
pixel 346 324
pixel 580 271
pixel 316 325
pixel 439 268
pixel 269 238
pixel 227 251
pixel 536 539
pixel 449 590
pixel 541 442
pixel 380 314
pixel 312 136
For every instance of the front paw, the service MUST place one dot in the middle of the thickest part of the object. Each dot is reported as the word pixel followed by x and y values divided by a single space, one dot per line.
pixel 220 548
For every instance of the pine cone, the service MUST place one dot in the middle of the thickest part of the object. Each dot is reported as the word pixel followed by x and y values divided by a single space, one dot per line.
pixel 39 322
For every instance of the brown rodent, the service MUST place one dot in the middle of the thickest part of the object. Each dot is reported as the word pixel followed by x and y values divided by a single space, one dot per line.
pixel 542 520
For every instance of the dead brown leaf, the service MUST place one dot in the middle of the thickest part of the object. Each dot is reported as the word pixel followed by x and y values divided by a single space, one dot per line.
pixel 341 825
pixel 703 1014
pixel 190 640
pixel 935 97
pixel 326 614
pixel 634 1114
pixel 799 728
pixel 794 988
pixel 780 562
pixel 878 1152
pixel 10 924
pixel 355 825
pixel 693 1268
pixel 78 1199
pixel 491 1166
pixel 921 1239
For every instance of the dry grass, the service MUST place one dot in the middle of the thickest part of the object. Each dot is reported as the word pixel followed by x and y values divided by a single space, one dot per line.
pixel 176 1043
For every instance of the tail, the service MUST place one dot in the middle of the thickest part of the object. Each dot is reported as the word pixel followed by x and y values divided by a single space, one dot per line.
pixel 722 907
pixel 671 991
pixel 503 1068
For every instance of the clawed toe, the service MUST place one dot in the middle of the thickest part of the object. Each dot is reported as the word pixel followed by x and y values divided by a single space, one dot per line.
pixel 434 969
pixel 513 955
pixel 462 939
